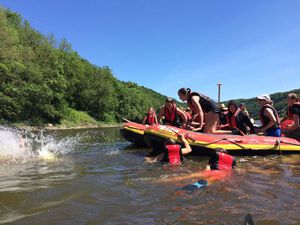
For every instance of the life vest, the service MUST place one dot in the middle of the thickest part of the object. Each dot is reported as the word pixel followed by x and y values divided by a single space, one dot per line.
pixel 222 161
pixel 295 105
pixel 174 154
pixel 150 118
pixel 232 120
pixel 207 104
pixel 265 120
pixel 171 117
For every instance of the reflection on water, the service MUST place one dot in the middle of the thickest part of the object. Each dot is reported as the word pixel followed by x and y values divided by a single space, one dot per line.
pixel 97 178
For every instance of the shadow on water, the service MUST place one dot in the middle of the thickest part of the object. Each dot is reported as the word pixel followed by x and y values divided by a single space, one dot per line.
pixel 97 177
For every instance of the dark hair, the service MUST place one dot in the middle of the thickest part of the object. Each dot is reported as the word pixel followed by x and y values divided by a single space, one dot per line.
pixel 242 104
pixel 184 91
pixel 220 150
pixel 171 100
pixel 293 96
pixel 232 103
pixel 169 141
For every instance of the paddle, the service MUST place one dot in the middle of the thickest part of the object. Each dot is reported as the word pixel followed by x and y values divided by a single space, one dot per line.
pixel 126 120
pixel 195 186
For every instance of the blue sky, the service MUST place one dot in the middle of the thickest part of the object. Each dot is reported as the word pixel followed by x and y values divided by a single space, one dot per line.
pixel 251 47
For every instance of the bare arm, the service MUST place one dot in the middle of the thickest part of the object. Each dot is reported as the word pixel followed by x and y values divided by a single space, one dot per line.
pixel 182 115
pixel 198 110
pixel 160 114
pixel 269 113
pixel 187 148
pixel 155 119
pixel 144 120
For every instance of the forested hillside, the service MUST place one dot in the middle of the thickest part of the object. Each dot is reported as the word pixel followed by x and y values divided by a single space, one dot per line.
pixel 279 102
pixel 42 80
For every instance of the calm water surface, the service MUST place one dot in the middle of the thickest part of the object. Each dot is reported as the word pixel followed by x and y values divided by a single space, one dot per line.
pixel 96 177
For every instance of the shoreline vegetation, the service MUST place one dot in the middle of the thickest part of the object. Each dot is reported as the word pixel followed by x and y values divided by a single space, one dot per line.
pixel 44 81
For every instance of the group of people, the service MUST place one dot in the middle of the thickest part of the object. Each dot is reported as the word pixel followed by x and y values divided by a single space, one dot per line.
pixel 205 115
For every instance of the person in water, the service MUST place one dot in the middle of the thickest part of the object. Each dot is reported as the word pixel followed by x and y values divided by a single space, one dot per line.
pixel 150 118
pixel 219 167
pixel 238 121
pixel 173 152
pixel 171 114
pixel 204 109
pixel 221 160
pixel 269 117
pixel 293 130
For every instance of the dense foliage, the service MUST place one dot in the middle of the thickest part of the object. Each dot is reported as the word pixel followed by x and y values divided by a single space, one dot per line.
pixel 279 103
pixel 42 80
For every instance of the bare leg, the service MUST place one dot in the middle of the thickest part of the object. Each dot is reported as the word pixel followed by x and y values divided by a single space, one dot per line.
pixel 211 122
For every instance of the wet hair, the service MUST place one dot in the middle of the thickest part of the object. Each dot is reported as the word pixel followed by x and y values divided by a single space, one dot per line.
pixel 169 141
pixel 293 96
pixel 222 150
pixel 184 91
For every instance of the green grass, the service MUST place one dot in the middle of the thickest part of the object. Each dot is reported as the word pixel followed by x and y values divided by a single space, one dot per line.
pixel 74 118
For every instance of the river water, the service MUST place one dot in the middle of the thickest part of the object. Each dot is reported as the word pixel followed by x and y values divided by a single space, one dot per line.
pixel 96 177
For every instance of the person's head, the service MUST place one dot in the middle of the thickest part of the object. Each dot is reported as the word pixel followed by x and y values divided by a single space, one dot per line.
pixel 169 103
pixel 151 110
pixel 184 93
pixel 292 98
pixel 169 141
pixel 242 106
pixel 232 106
pixel 223 108
pixel 264 99
pixel 222 150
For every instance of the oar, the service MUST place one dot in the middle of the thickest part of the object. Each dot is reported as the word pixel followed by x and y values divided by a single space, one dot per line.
pixel 126 120
pixel 195 186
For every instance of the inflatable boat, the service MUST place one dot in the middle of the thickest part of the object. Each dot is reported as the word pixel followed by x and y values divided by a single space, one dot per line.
pixel 134 132
pixel 203 143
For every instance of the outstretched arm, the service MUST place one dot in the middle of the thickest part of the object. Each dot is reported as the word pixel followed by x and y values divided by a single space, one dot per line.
pixel 187 148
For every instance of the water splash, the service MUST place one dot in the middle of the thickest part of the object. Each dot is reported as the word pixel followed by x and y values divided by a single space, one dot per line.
pixel 23 145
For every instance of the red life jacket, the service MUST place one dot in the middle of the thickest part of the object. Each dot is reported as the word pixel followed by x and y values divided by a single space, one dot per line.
pixel 171 117
pixel 225 161
pixel 174 154
pixel 151 118
pixel 221 161
pixel 265 120
pixel 232 120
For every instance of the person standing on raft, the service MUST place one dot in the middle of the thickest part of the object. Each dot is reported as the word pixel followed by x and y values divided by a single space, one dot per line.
pixel 201 106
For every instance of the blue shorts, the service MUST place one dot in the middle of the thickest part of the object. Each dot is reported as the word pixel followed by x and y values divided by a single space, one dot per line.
pixel 274 132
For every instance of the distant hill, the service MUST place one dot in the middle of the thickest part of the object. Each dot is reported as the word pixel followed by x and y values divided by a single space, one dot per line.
pixel 279 102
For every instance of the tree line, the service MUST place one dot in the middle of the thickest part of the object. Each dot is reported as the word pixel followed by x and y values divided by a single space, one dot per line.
pixel 42 79
pixel 279 102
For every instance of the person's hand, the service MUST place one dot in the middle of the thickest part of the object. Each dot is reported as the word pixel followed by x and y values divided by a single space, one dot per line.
pixel 181 137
